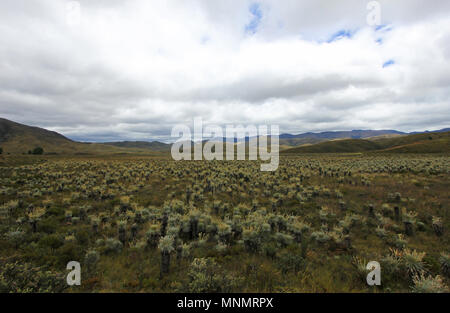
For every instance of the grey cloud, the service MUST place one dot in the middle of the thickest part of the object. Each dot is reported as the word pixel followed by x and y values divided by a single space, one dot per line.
pixel 266 86
pixel 138 76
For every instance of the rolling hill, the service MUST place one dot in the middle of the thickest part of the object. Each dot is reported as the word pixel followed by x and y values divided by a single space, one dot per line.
pixel 17 138
pixel 436 142
pixel 154 145
pixel 10 131
pixel 430 142
pixel 352 134
pixel 337 146
pixel 313 138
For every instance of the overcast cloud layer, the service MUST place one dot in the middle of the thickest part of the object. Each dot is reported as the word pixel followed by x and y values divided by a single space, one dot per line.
pixel 130 70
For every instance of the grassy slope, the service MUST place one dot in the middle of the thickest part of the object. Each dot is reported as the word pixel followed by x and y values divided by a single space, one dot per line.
pixel 16 138
pixel 419 143
pixel 314 138
pixel 342 146
pixel 155 146
pixel 294 142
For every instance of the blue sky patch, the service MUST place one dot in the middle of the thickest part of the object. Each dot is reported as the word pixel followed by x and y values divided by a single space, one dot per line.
pixel 340 35
pixel 388 63
pixel 383 28
pixel 256 12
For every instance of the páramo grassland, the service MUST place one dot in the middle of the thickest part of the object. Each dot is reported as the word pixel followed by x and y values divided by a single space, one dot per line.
pixel 151 224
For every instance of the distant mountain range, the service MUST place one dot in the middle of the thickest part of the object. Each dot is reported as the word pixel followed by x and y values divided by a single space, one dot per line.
pixel 353 134
pixel 17 138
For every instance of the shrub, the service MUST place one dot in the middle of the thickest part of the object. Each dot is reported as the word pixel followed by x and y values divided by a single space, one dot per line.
pixel 205 275
pixel 269 249
pixel 413 262
pixel 290 262
pixel 445 264
pixel 113 246
pixel 122 232
pixel 399 241
pixel 360 266
pixel 91 259
pixel 52 241
pixel 428 284
pixel 283 240
pixel 320 237
pixel 381 232
pixel 173 231
pixel 48 226
pixel 153 235
pixel 166 246
pixel 298 230
pixel 134 231
pixel 25 278
pixel 95 222
pixel 221 248
pixel 68 215
pixel 70 251
pixel 438 226
pixel 224 232
pixel 16 237
pixel 82 236
pixel 391 263
pixel 386 210
pixel 186 250
pixel 38 151
pixel 252 241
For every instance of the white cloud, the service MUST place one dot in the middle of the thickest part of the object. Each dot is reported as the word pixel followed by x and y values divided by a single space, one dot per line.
pixel 131 70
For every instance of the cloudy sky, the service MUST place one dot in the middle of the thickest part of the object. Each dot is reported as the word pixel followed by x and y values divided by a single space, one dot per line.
pixel 101 70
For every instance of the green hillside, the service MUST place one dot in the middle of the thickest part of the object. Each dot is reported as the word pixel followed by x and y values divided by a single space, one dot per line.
pixel 17 138
pixel 154 145
pixel 418 143
pixel 336 146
